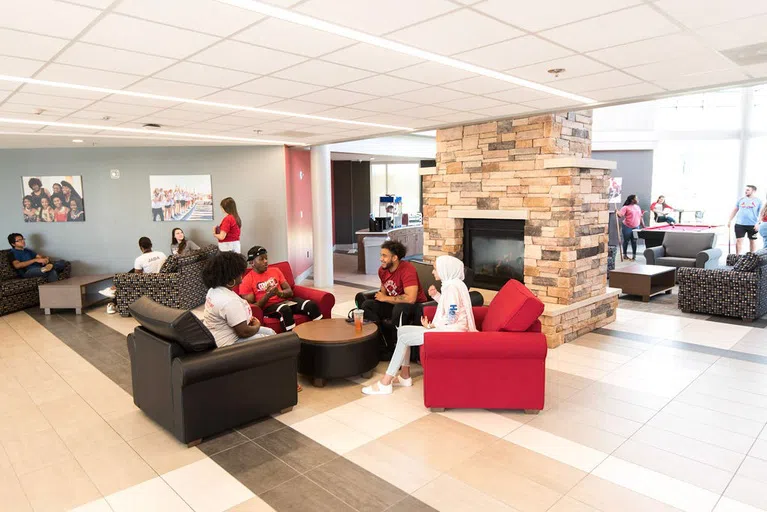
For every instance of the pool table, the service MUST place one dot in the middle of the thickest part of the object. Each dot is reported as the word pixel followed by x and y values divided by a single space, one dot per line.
pixel 653 236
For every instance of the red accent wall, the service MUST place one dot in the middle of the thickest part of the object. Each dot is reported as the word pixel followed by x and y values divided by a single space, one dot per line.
pixel 333 199
pixel 299 200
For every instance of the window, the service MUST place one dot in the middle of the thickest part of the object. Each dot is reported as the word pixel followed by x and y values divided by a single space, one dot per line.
pixel 400 179
pixel 720 110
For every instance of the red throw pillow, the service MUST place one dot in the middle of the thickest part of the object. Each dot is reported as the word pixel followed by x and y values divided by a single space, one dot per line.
pixel 515 309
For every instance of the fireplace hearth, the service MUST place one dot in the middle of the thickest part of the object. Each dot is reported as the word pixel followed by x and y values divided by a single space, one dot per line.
pixel 495 250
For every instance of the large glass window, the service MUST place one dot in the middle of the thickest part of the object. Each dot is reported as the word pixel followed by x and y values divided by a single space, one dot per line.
pixel 399 179
pixel 720 110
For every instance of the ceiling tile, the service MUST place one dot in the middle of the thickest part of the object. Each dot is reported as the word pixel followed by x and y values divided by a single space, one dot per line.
pixel 123 109
pixel 24 111
pixel 448 34
pixel 756 70
pixel 46 17
pixel 519 95
pixel 471 103
pixel 298 107
pixel 246 57
pixel 211 126
pixel 373 58
pixel 202 74
pixel 432 73
pixel 383 85
pixel 700 13
pixel 458 117
pixel 186 115
pixel 277 87
pixel 98 4
pixel 515 53
pixel 736 33
pixel 245 99
pixel 45 101
pixel 240 121
pixel 557 12
pixel 649 50
pixel 60 91
pixel 96 117
pixel 386 105
pixel 574 65
pixel 395 120
pixel 597 81
pixel 428 111
pixel 30 46
pixel 207 16
pixel 123 32
pixel 553 102
pixel 626 91
pixel 335 97
pixel 343 113
pixel 290 37
pixel 480 85
pixel 709 79
pixel 168 88
pixel 112 59
pixel 612 29
pixel 503 111
pixel 167 123
pixel 690 64
pixel 322 73
pixel 19 67
pixel 375 16
pixel 432 95
pixel 92 77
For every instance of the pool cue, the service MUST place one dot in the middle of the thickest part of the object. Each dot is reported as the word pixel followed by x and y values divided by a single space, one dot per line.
pixel 620 242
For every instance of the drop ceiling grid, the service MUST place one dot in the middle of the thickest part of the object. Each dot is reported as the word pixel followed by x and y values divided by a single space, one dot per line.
pixel 479 101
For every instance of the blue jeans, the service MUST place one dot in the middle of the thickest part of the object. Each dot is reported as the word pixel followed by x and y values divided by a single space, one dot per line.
pixel 763 232
pixel 628 235
pixel 36 270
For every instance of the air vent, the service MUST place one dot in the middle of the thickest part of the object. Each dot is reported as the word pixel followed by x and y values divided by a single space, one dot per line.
pixel 295 134
pixel 747 55
pixel 152 126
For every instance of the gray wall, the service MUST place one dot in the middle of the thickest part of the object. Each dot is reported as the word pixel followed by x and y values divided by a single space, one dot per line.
pixel 635 167
pixel 118 212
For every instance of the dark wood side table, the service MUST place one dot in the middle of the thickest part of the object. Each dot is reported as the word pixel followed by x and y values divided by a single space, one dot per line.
pixel 644 280
pixel 333 349
pixel 72 293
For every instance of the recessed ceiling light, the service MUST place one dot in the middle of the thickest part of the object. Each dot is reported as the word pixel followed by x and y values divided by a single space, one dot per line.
pixel 556 71
pixel 137 130
pixel 176 99
pixel 308 21
pixel 78 141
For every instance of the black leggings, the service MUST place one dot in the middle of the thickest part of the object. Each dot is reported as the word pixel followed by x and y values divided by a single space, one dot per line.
pixel 285 312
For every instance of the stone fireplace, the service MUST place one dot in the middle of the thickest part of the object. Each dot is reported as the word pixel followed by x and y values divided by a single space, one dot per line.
pixel 495 250
pixel 534 170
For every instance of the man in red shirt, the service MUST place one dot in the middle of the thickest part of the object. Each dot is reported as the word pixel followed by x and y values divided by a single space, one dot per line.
pixel 267 288
pixel 401 294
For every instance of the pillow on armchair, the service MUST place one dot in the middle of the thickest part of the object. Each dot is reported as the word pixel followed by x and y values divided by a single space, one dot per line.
pixel 514 309
pixel 747 263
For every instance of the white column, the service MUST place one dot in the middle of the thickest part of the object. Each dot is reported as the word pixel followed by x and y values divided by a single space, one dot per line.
pixel 322 217
pixel 747 104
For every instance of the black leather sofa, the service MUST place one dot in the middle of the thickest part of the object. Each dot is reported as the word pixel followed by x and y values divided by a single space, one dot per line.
pixel 195 390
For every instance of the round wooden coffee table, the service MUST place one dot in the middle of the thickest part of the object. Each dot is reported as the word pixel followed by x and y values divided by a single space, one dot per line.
pixel 333 349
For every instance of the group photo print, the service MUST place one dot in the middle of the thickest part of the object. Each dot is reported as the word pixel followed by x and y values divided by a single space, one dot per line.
pixel 181 198
pixel 52 199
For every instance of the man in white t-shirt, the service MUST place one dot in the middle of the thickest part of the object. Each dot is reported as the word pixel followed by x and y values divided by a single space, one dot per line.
pixel 150 262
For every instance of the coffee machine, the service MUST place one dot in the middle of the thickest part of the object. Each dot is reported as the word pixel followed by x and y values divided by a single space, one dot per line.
pixel 390 206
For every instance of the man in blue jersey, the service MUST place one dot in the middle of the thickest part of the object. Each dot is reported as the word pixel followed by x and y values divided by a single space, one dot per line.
pixel 746 215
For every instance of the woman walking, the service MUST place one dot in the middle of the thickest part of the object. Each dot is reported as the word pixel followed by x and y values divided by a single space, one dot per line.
pixel 631 214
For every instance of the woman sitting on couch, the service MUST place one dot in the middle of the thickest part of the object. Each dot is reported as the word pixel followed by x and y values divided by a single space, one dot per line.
pixel 454 313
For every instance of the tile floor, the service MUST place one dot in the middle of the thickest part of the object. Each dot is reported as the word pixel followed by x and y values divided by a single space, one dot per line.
pixel 657 411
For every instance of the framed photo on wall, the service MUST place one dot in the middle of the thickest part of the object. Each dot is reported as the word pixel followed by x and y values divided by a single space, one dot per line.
pixel 53 199
pixel 181 197
pixel 615 190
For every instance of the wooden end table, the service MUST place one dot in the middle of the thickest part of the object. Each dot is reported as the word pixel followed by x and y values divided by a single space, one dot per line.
pixel 71 293
pixel 644 280
pixel 333 349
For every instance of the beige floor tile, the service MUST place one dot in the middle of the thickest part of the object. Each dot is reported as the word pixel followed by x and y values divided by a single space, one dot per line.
pixel 403 411
pixel 718 419
pixel 598 419
pixel 393 465
pixel 89 437
pixel 154 495
pixel 450 495
pixel 723 405
pixel 557 447
pixel 13 397
pixel 335 394
pixel 71 410
pixel 255 504
pixel 331 433
pixel 220 492
pixel 518 477
pixel 115 468
pixel 12 497
pixel 567 504
pixel 299 413
pixel 607 496
pixel 59 487
pixel 566 426
pixel 736 396
pixel 747 490
pixel 675 466
pixel 759 450
pixel 484 420
pixel 730 505
pixel 439 442
pixel 164 453
pixel 36 450
pixel 132 425
pixel 5 462
pixel 99 505
pixel 754 468
pixel 746 381
pixel 22 420
pixel 707 433
pixel 368 422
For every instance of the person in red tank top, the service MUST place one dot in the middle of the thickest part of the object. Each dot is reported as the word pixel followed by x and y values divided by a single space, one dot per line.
pixel 228 232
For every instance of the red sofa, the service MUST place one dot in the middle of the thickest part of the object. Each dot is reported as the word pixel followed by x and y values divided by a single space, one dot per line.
pixel 325 300
pixel 501 367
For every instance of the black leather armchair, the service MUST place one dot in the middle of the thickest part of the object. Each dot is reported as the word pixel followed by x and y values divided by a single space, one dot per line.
pixel 427 279
pixel 195 390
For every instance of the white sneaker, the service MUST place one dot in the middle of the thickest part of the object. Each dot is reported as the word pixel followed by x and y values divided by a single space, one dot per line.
pixel 377 389
pixel 111 309
pixel 400 382
pixel 107 292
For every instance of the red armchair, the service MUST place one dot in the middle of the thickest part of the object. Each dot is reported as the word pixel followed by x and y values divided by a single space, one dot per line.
pixel 325 300
pixel 501 367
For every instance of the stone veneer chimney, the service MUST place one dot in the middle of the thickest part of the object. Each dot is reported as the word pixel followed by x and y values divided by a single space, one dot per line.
pixel 537 169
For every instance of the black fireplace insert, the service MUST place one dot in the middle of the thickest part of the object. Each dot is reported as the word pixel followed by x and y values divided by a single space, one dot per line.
pixel 495 249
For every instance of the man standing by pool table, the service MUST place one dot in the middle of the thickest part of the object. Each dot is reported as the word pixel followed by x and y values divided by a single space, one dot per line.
pixel 746 215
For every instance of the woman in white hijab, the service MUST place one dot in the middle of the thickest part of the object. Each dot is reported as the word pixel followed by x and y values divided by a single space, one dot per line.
pixel 454 313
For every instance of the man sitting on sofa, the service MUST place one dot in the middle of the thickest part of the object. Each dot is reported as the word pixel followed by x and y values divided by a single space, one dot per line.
pixel 268 289
pixel 150 262
pixel 30 264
